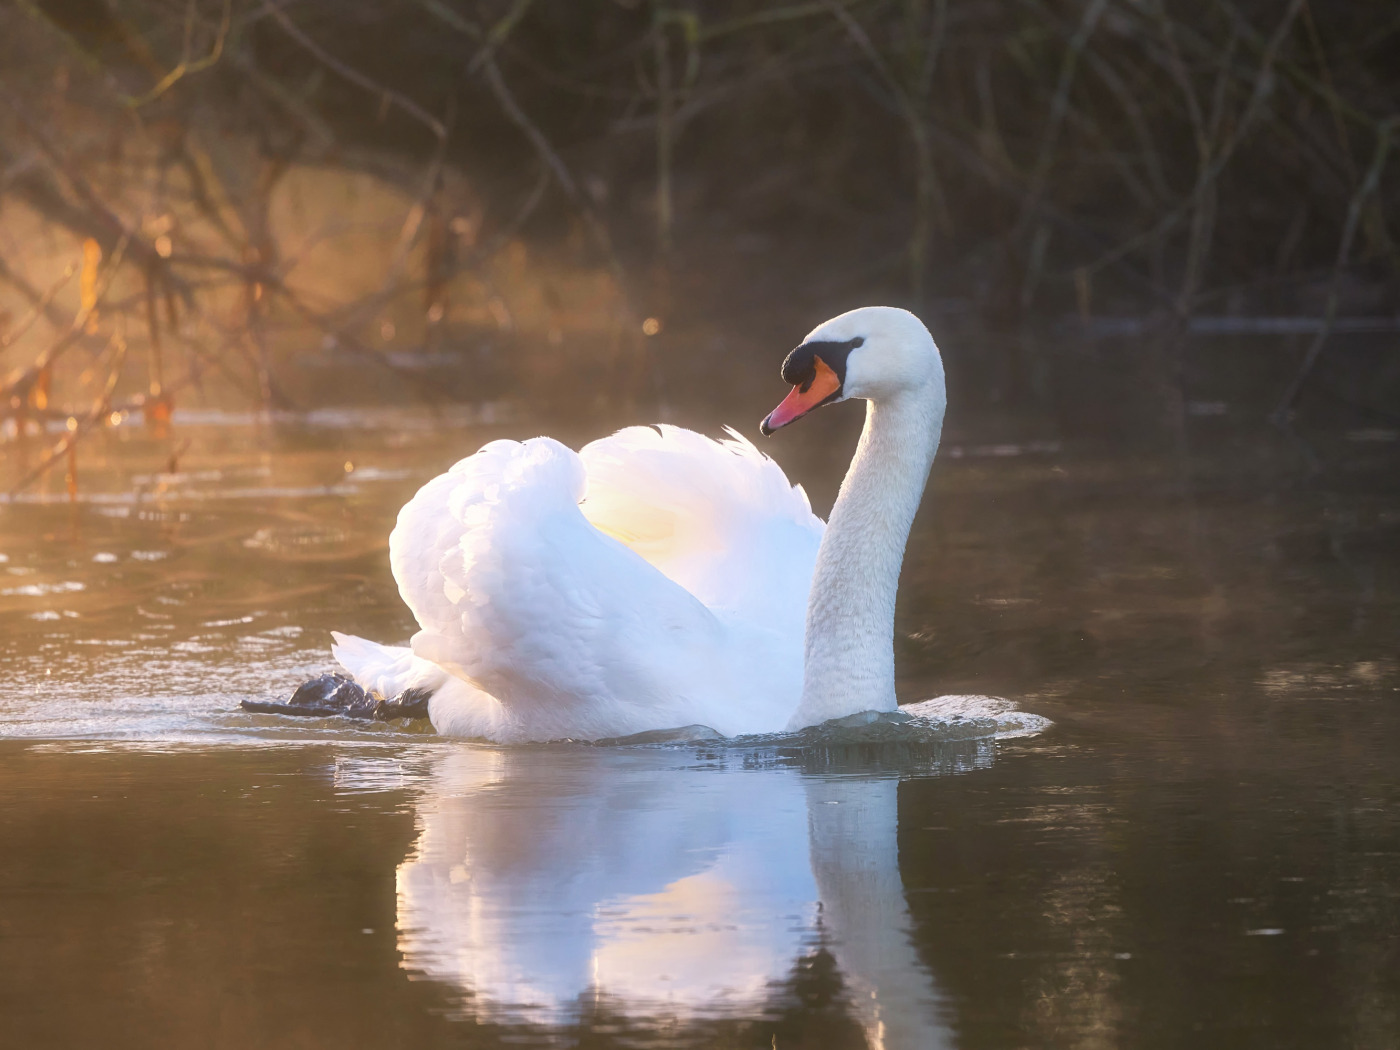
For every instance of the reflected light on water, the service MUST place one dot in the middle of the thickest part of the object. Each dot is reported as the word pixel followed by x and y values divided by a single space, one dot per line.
pixel 544 884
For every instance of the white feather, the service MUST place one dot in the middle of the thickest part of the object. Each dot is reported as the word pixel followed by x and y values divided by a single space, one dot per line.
pixel 673 596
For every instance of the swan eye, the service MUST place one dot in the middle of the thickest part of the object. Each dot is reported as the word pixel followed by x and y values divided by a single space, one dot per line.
pixel 817 372
pixel 800 368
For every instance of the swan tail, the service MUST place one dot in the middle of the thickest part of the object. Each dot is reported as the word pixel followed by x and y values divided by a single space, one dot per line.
pixel 455 707
pixel 384 669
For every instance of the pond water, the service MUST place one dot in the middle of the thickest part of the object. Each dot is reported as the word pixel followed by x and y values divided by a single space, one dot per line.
pixel 1203 849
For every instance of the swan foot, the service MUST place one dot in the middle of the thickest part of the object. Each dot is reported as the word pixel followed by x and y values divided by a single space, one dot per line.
pixel 324 695
pixel 337 694
pixel 411 703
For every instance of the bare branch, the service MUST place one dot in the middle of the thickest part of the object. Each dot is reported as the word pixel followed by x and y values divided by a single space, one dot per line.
pixel 388 95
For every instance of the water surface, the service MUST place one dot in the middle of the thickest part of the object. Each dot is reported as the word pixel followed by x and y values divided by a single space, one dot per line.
pixel 1204 850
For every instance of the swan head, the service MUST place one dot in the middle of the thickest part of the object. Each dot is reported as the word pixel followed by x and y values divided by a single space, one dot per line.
pixel 876 353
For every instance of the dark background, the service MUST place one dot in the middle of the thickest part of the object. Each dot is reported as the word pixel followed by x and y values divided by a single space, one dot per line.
pixel 600 209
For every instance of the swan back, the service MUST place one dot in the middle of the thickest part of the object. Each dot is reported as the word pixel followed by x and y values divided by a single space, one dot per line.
pixel 718 517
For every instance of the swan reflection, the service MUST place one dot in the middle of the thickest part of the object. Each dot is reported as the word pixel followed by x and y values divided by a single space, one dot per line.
pixel 549 884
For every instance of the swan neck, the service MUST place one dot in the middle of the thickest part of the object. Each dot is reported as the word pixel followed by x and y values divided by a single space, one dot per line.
pixel 849 644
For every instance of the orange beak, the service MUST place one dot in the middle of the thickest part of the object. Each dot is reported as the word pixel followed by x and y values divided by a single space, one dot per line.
pixel 802 399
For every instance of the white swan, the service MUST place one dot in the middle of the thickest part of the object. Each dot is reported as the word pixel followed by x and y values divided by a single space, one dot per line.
pixel 658 578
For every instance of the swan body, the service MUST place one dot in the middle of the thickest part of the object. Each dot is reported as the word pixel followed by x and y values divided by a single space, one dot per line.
pixel 658 578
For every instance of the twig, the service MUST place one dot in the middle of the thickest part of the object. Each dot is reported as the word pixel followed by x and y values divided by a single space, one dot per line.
pixel 40 306
pixel 116 227
pixel 18 383
pixel 556 166
pixel 408 233
pixel 767 17
pixel 287 100
pixel 100 408
pixel 1136 119
pixel 1358 200
pixel 665 131
pixel 1093 11
pixel 186 66
pixel 478 258
pixel 355 77
pixel 928 190
pixel 1209 172
pixel 498 34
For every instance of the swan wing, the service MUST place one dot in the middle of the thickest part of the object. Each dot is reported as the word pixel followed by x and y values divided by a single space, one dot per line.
pixel 718 517
pixel 573 632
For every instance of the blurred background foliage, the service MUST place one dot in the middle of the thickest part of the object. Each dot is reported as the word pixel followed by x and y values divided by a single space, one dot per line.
pixel 279 204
